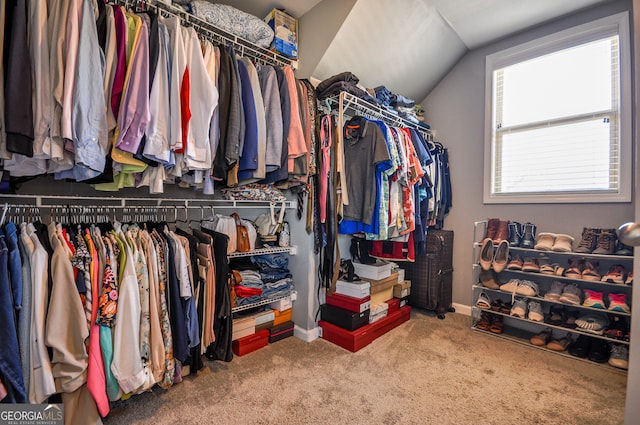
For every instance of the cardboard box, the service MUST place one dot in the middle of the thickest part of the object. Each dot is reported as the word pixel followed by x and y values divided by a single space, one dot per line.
pixel 265 325
pixel 376 271
pixel 356 289
pixel 344 318
pixel 357 305
pixel 285 28
pixel 381 297
pixel 281 305
pixel 404 302
pixel 383 284
pixel 402 290
pixel 251 343
pixel 282 316
pixel 243 327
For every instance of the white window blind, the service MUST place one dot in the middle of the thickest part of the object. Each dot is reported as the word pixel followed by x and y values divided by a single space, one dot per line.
pixel 557 115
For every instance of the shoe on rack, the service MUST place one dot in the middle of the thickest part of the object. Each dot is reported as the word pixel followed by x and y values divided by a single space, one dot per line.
pixel 618 302
pixel 501 256
pixel 570 294
pixel 530 265
pixel 619 356
pixel 556 315
pixel 615 274
pixel 559 344
pixel 519 309
pixel 484 322
pixel 580 347
pixel 497 323
pixel 541 339
pixel 545 241
pixel 492 228
pixel 590 270
pixel 515 233
pixel 606 242
pixel 527 288
pixel 511 286
pixel 589 240
pixel 570 317
pixel 629 279
pixel 486 254
pixel 489 279
pixel 574 271
pixel 618 327
pixel 563 243
pixel 592 323
pixel 535 312
pixel 515 263
pixel 550 269
pixel 622 249
pixel 483 301
pixel 599 351
pixel 528 235
pixel 502 232
pixel 593 299
pixel 553 294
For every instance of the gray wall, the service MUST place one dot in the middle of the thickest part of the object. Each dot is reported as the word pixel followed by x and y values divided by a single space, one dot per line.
pixel 456 110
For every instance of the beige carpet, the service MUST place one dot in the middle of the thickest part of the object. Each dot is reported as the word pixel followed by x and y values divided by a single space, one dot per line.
pixel 426 371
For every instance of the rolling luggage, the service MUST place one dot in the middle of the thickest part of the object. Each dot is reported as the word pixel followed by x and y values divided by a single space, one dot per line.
pixel 431 274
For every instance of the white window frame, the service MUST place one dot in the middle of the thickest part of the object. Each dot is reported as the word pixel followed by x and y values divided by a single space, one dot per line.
pixel 608 26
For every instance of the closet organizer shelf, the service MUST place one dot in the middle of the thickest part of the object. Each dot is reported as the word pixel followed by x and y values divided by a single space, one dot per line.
pixel 522 337
pixel 292 250
pixel 214 33
pixel 521 329
pixel 259 303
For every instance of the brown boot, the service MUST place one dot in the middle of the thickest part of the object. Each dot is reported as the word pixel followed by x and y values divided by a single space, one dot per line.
pixel 502 234
pixel 606 242
pixel 492 228
pixel 589 240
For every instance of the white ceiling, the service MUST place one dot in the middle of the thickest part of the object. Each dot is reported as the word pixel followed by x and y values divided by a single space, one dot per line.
pixel 410 45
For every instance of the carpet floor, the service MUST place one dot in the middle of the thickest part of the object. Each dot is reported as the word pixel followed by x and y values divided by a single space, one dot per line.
pixel 425 371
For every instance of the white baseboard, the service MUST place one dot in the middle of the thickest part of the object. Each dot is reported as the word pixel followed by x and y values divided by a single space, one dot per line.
pixel 462 309
pixel 307 335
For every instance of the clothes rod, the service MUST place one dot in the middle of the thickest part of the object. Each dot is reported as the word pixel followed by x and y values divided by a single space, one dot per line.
pixel 207 29
pixel 118 202
pixel 363 107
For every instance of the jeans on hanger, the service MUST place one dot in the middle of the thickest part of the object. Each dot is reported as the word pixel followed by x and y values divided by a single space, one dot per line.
pixel 10 365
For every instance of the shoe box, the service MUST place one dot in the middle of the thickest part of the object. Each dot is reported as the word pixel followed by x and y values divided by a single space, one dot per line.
pixel 376 271
pixel 243 327
pixel 281 331
pixel 378 312
pixel 344 318
pixel 250 343
pixel 394 305
pixel 281 317
pixel 355 289
pixel 382 290
pixel 282 304
pixel 402 289
pixel 361 337
pixel 357 305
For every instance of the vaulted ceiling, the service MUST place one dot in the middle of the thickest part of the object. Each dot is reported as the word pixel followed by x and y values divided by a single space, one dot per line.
pixel 406 45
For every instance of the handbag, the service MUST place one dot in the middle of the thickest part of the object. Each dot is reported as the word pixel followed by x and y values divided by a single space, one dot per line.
pixel 270 229
pixel 242 235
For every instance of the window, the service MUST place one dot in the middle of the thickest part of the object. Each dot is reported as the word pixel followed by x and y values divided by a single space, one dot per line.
pixel 559 123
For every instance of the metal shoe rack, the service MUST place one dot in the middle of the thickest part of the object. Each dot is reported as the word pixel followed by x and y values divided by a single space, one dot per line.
pixel 519 330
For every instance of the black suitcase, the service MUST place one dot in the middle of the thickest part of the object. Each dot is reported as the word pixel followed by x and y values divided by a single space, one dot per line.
pixel 431 275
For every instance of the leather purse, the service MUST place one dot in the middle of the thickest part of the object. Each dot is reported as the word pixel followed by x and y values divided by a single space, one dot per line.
pixel 242 235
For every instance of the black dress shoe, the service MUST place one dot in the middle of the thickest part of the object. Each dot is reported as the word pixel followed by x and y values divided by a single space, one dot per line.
pixel 580 347
pixel 599 351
